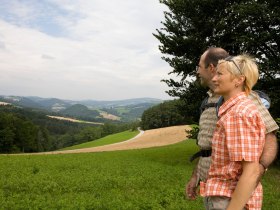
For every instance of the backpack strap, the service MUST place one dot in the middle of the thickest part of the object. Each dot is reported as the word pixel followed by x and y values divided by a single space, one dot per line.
pixel 264 98
pixel 201 153
pixel 205 105
pixel 219 104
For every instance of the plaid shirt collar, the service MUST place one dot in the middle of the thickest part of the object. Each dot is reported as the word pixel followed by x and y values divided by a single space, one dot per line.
pixel 230 102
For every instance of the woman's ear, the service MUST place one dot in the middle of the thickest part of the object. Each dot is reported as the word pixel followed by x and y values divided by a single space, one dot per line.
pixel 240 80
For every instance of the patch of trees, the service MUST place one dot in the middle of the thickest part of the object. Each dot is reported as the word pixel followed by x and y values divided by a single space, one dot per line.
pixel 190 27
pixel 24 130
pixel 90 133
pixel 162 115
pixel 18 134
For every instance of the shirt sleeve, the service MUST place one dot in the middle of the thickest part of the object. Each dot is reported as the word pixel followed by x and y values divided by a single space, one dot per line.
pixel 245 137
pixel 269 122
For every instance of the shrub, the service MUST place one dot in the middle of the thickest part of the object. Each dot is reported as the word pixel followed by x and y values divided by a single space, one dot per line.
pixel 192 134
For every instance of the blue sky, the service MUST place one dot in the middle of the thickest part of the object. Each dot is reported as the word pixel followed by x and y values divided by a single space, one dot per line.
pixel 82 49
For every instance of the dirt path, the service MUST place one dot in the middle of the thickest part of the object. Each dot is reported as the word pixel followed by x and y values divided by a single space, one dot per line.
pixel 150 138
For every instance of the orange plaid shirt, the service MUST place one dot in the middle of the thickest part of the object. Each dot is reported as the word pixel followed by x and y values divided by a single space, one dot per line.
pixel 239 135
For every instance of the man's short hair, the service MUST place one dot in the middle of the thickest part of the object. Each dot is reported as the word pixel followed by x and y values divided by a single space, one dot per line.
pixel 213 55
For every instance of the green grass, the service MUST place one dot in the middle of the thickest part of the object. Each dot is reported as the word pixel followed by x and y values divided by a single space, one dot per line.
pixel 110 139
pixel 152 178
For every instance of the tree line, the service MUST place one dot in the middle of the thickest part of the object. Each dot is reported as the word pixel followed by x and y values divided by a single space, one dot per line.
pixel 162 115
pixel 18 134
pixel 25 130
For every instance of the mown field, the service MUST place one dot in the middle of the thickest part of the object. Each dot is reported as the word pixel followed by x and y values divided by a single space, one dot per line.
pixel 110 139
pixel 136 179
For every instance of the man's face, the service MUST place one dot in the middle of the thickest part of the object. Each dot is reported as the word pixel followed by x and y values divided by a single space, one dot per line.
pixel 203 72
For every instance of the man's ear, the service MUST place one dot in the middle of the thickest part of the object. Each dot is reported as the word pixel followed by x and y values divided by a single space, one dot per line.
pixel 212 68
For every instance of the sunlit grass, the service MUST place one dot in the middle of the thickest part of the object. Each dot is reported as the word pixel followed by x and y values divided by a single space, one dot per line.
pixel 110 139
pixel 152 178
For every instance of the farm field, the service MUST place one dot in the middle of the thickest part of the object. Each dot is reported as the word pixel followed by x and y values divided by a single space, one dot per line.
pixel 152 178
pixel 74 120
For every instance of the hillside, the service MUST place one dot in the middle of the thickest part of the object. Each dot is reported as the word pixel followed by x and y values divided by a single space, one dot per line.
pixel 119 103
pixel 119 110
pixel 25 130
pixel 107 140
pixel 21 101
pixel 129 112
pixel 150 138
pixel 52 104
pixel 80 111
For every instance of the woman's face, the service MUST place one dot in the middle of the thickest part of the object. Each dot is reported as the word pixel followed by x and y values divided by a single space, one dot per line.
pixel 224 82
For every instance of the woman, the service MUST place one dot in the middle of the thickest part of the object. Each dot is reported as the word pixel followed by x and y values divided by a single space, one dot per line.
pixel 238 140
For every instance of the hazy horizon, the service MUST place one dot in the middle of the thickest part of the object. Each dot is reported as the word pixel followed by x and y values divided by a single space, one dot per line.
pixel 84 99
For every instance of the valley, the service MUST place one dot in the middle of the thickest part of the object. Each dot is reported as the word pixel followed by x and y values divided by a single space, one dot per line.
pixel 85 110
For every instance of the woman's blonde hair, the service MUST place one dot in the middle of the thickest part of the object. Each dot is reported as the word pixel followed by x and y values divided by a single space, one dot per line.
pixel 243 65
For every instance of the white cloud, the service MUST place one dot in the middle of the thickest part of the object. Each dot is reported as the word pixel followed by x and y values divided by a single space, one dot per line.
pixel 82 49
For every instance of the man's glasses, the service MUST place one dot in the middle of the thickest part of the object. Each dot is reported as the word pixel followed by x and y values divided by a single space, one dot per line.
pixel 230 59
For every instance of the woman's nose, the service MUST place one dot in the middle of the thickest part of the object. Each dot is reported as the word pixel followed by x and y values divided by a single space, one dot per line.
pixel 214 78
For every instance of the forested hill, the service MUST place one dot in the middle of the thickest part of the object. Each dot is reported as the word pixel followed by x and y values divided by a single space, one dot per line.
pixel 92 110
pixel 80 111
pixel 25 130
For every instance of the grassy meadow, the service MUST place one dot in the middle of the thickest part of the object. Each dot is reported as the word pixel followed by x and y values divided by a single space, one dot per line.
pixel 110 139
pixel 151 178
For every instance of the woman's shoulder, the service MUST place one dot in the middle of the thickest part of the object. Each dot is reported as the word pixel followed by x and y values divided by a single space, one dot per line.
pixel 246 107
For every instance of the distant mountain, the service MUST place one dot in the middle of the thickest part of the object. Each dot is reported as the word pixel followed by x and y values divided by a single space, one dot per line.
pixel 117 103
pixel 52 104
pixel 21 101
pixel 125 110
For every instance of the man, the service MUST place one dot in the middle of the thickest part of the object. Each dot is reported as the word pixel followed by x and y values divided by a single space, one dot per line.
pixel 207 123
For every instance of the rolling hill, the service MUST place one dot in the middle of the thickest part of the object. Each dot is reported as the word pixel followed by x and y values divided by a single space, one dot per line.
pixel 80 111
pixel 119 110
